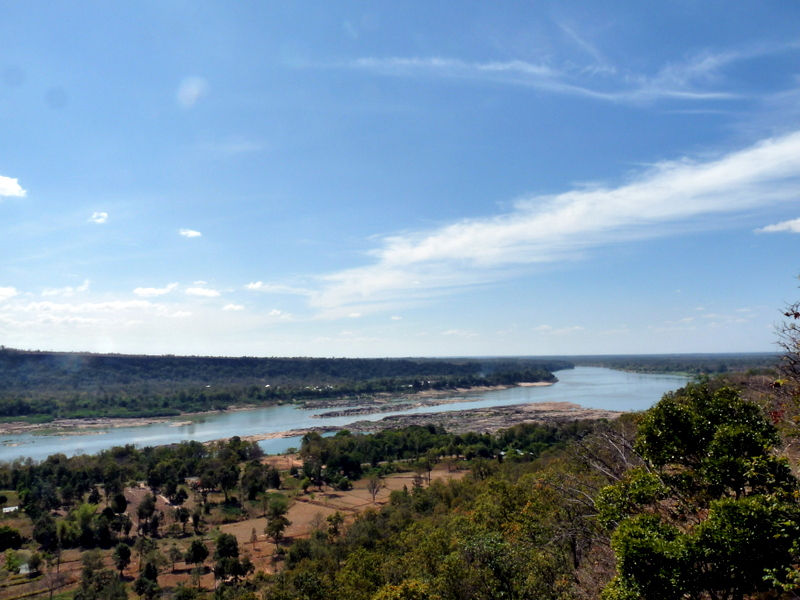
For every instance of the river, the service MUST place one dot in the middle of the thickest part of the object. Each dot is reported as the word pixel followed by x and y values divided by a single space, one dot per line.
pixel 589 387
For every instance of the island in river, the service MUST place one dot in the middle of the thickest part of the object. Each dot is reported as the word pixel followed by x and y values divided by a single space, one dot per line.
pixel 481 420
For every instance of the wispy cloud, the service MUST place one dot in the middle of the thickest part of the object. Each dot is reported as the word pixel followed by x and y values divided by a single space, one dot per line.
pixel 550 330
pixel 460 333
pixel 7 292
pixel 545 229
pixel 87 307
pixel 32 316
pixel 98 217
pixel 698 77
pixel 260 286
pixel 231 146
pixel 11 187
pixel 202 291
pixel 233 307
pixel 67 291
pixel 151 292
pixel 189 233
pixel 792 226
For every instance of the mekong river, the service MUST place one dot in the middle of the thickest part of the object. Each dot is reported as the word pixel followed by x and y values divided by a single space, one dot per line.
pixel 590 387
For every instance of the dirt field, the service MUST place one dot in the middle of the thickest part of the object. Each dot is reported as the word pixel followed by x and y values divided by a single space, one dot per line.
pixel 306 512
pixel 310 510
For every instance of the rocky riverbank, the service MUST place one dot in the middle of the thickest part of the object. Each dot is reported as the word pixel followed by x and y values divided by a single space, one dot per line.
pixel 482 420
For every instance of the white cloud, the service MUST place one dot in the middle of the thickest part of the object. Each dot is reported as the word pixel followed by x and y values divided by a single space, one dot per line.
pixel 546 229
pixel 200 291
pixel 191 90
pixel 67 291
pixel 98 217
pixel 151 292
pixel 11 187
pixel 180 314
pixel 354 315
pixel 189 233
pixel 396 318
pixel 7 292
pixel 792 226
pixel 233 307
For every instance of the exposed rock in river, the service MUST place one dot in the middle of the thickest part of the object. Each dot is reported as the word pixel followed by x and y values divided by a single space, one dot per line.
pixel 489 419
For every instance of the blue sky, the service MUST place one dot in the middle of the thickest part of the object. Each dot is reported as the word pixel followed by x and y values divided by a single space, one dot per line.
pixel 398 179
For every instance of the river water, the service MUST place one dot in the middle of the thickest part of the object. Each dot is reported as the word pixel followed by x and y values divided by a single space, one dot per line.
pixel 590 387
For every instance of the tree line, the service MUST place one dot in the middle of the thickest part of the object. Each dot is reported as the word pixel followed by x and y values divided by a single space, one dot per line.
pixel 39 386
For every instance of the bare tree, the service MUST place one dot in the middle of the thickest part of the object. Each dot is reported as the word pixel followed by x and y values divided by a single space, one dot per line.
pixel 789 341
pixel 55 580
pixel 374 485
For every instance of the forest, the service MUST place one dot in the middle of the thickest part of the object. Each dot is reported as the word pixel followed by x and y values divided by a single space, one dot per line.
pixel 41 386
pixel 684 364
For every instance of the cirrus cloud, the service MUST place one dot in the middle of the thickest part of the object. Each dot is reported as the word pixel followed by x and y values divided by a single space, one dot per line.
pixel 189 233
pixel 566 226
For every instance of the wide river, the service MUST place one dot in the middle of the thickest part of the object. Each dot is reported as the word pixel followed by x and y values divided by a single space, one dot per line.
pixel 589 387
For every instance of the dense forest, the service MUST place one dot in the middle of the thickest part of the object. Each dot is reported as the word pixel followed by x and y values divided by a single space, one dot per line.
pixel 684 364
pixel 47 385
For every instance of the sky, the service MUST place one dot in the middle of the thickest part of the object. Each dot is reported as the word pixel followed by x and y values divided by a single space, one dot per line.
pixel 371 179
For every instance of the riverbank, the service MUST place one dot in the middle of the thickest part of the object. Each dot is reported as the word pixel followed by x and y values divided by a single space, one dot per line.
pixel 367 405
pixel 428 399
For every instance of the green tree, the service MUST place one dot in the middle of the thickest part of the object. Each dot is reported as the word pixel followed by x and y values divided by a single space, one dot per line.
pixel 121 557
pixel 197 553
pixel 713 512
pixel 11 538
pixel 98 583
pixel 276 519
pixel 175 555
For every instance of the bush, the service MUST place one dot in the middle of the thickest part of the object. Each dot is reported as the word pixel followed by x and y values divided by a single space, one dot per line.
pixel 9 538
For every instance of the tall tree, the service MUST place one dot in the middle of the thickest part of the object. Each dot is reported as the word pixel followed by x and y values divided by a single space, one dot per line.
pixel 713 512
